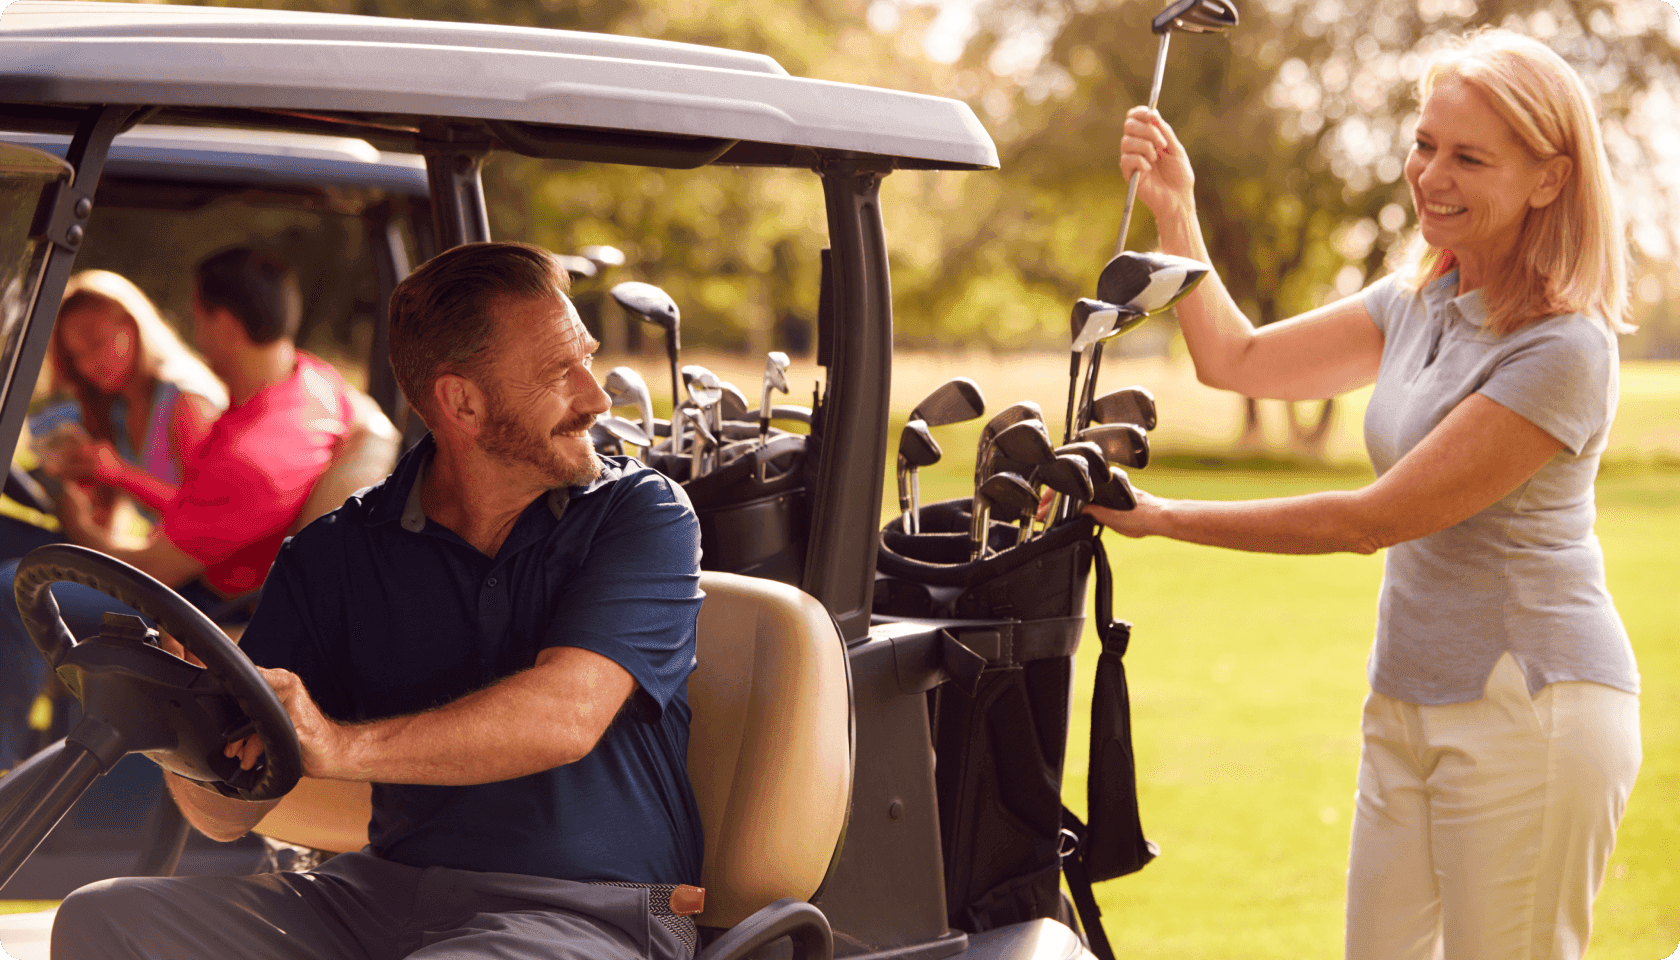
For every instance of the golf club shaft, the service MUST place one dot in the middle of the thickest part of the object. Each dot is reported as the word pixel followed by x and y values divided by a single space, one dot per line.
pixel 1131 184
pixel 1073 390
pixel 914 518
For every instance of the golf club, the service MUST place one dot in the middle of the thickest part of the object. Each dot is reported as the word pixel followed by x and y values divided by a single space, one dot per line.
pixel 1096 468
pixel 1091 319
pixel 625 386
pixel 1191 16
pixel 916 449
pixel 955 401
pixel 1122 443
pixel 1008 416
pixel 702 439
pixel 579 268
pixel 1068 476
pixel 602 256
pixel 1125 405
pixel 1026 444
pixel 775 378
pixel 1145 284
pixel 705 391
pixel 1116 492
pixel 625 431
pixel 733 406
pixel 1005 493
pixel 655 306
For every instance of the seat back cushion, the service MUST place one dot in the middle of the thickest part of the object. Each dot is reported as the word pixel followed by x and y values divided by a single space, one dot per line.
pixel 769 750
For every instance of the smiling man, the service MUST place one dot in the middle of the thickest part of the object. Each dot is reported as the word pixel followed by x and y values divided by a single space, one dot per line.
pixel 498 637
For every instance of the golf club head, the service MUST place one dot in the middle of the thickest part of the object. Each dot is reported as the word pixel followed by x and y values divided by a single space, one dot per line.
pixel 1096 465
pixel 1126 405
pixel 625 431
pixel 916 446
pixel 1007 497
pixel 1122 443
pixel 1007 417
pixel 1149 282
pixel 1196 16
pixel 581 268
pixel 1092 322
pixel 1068 475
pixel 649 303
pixel 704 387
pixel 625 387
pixel 1116 492
pixel 733 406
pixel 602 255
pixel 958 400
pixel 1026 441
pixel 603 441
pixel 776 365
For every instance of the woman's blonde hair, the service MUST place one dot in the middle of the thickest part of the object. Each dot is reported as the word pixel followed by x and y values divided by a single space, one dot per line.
pixel 160 355
pixel 1571 255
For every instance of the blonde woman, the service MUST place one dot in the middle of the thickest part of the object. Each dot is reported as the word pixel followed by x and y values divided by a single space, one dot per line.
pixel 1501 734
pixel 146 400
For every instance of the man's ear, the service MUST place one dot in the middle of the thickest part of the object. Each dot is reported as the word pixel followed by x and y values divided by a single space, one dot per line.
pixel 461 405
pixel 1554 174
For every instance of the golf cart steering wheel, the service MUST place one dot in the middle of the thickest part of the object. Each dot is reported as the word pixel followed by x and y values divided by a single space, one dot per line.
pixel 138 698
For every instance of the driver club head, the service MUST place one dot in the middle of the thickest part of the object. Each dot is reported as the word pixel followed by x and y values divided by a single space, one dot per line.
pixel 1196 16
pixel 958 400
pixel 1092 322
pixel 1149 282
pixel 1122 443
pixel 649 303
pixel 1127 405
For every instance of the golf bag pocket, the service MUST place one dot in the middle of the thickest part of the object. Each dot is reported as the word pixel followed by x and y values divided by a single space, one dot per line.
pixel 754 511
pixel 1012 622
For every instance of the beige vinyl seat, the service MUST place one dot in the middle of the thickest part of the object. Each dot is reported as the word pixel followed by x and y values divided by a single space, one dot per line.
pixel 362 458
pixel 770 756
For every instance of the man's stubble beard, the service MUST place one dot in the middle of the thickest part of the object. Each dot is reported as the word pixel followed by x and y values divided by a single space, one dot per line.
pixel 510 441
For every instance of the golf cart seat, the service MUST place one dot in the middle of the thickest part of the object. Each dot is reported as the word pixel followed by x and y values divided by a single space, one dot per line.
pixel 769 754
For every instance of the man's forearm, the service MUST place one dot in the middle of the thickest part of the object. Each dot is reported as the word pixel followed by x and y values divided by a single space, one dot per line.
pixel 215 816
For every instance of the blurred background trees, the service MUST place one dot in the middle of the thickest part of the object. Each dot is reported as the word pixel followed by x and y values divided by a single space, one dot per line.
pixel 1297 123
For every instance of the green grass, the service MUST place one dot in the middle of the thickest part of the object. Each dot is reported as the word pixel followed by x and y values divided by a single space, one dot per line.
pixel 1247 676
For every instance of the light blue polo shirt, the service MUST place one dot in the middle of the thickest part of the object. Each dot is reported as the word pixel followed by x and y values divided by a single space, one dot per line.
pixel 1526 575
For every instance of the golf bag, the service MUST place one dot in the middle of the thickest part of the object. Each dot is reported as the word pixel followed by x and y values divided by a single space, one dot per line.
pixel 754 511
pixel 1000 724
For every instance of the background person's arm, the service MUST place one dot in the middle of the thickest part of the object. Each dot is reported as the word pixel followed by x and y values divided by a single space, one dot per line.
pixel 1316 355
pixel 1479 453
pixel 159 558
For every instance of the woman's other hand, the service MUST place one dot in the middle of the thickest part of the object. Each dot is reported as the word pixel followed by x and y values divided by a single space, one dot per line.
pixel 1150 149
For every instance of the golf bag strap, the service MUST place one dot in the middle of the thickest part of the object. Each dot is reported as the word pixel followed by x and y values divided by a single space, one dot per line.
pixel 1079 885
pixel 1008 643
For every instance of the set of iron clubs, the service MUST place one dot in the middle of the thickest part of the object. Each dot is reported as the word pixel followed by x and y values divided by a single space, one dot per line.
pixel 711 423
pixel 1102 436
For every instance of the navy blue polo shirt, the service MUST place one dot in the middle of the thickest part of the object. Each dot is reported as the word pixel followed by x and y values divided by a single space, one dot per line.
pixel 383 612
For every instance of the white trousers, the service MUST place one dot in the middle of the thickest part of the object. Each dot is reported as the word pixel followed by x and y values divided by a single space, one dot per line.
pixel 1481 830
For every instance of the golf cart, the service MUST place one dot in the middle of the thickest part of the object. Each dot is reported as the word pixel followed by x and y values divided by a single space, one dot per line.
pixel 815 730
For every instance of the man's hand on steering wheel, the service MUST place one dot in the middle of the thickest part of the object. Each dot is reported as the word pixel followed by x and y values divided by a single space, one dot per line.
pixel 320 739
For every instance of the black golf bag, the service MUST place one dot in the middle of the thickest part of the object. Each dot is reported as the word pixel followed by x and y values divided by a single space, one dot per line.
pixel 1000 725
pixel 755 511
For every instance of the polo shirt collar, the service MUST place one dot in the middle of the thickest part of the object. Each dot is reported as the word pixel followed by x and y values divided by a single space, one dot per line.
pixel 1467 308
pixel 411 471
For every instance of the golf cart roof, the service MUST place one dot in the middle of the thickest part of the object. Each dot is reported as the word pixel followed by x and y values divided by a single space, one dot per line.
pixel 205 156
pixel 400 83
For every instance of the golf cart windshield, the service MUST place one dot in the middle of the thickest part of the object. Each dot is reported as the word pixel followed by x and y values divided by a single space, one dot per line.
pixel 26 177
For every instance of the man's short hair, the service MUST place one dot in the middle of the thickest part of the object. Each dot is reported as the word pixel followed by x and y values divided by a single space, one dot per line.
pixel 258 288
pixel 441 315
